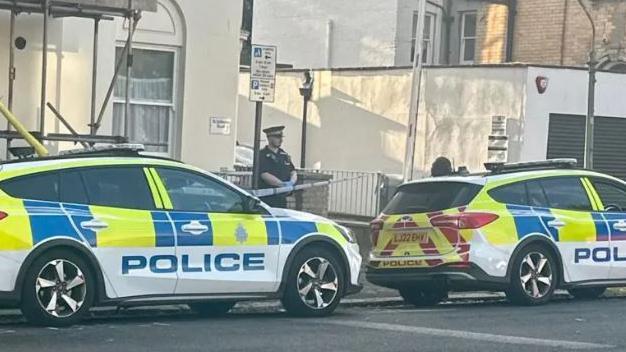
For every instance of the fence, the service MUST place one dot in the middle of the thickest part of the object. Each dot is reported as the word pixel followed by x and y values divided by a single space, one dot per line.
pixel 363 194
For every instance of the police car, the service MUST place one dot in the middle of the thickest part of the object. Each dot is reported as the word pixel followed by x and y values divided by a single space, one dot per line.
pixel 526 229
pixel 116 227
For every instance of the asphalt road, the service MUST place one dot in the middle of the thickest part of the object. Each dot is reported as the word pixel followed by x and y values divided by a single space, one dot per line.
pixel 491 325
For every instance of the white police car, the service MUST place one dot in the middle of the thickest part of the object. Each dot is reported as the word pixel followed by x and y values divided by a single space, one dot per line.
pixel 115 227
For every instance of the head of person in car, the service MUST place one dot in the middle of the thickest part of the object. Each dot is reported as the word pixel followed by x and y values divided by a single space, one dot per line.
pixel 441 167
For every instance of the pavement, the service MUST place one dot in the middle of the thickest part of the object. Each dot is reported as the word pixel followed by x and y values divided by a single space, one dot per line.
pixel 465 322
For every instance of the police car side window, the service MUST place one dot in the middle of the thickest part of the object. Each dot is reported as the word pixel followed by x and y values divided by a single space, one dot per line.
pixel 610 193
pixel 536 195
pixel 72 188
pixel 192 192
pixel 119 187
pixel 566 193
pixel 44 186
pixel 510 194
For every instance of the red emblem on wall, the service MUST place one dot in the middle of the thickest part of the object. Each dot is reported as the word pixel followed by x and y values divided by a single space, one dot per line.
pixel 542 84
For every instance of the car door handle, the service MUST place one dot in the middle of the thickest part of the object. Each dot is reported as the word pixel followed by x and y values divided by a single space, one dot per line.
pixel 94 224
pixel 556 223
pixel 195 228
pixel 620 226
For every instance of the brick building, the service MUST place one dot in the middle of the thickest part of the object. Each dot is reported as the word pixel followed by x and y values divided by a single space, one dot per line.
pixel 552 32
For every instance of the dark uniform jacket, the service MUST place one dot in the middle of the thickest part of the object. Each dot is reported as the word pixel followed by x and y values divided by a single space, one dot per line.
pixel 278 164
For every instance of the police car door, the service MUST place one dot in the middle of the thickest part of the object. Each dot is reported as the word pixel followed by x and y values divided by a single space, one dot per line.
pixel 611 197
pixel 221 246
pixel 132 239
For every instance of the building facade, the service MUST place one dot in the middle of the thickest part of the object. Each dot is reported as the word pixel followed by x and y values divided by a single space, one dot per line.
pixel 365 33
pixel 185 73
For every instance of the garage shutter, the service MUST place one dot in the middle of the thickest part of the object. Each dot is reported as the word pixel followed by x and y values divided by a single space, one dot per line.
pixel 566 139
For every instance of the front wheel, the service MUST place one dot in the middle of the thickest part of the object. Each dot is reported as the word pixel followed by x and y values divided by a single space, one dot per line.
pixel 58 289
pixel 587 292
pixel 315 283
pixel 533 277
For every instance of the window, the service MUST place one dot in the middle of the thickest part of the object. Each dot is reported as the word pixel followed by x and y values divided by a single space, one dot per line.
pixel 36 187
pixel 536 195
pixel 72 188
pixel 468 38
pixel 192 192
pixel 432 196
pixel 611 194
pixel 151 99
pixel 566 193
pixel 121 187
pixel 429 33
pixel 510 194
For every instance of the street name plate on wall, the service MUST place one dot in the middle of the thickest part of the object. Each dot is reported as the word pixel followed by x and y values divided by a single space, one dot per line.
pixel 263 73
pixel 220 125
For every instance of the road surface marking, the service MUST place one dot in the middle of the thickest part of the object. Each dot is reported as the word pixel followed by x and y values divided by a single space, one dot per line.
pixel 505 339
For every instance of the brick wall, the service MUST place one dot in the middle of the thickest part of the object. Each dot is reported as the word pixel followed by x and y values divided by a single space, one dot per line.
pixel 553 32
pixel 491 34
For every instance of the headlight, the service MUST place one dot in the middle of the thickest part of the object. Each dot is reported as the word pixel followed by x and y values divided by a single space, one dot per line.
pixel 346 233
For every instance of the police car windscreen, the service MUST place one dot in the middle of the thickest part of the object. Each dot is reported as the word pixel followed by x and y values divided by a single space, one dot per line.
pixel 432 196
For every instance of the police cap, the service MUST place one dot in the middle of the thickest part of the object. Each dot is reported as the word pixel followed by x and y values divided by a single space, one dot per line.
pixel 276 131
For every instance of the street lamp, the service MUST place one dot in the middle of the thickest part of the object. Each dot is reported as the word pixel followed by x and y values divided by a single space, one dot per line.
pixel 591 92
pixel 305 91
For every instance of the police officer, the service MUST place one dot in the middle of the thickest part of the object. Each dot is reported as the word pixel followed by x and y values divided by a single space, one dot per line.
pixel 276 169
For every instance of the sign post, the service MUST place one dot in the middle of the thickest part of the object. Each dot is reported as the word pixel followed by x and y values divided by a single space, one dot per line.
pixel 262 86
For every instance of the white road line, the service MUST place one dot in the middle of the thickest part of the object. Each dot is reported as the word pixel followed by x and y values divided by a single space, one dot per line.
pixel 468 335
pixel 409 310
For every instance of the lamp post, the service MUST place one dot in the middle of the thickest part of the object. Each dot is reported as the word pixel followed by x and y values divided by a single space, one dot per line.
pixel 591 93
pixel 305 91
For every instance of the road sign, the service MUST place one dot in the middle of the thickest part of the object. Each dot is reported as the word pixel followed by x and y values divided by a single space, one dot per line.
pixel 263 73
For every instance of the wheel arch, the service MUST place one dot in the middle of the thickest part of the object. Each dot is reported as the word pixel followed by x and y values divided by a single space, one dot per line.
pixel 542 240
pixel 310 241
pixel 69 245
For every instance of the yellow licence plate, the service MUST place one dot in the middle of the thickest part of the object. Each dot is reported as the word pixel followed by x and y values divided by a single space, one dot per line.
pixel 410 237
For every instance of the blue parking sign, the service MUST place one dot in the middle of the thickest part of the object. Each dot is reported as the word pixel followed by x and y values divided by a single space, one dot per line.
pixel 255 84
pixel 258 52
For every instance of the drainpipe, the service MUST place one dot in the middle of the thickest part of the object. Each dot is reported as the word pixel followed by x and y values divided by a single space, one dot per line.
pixel 510 30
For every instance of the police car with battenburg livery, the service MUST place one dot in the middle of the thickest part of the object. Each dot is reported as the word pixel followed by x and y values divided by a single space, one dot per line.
pixel 117 227
pixel 525 228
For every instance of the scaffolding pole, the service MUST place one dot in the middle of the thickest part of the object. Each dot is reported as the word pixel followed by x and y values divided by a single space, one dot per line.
pixel 44 67
pixel 94 77
pixel 129 68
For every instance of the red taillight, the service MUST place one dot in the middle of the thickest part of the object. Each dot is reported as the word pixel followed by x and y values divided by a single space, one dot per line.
pixel 3 215
pixel 464 221
pixel 375 226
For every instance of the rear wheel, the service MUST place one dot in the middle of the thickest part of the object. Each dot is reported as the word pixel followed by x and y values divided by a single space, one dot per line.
pixel 58 289
pixel 315 283
pixel 212 309
pixel 422 298
pixel 587 292
pixel 533 277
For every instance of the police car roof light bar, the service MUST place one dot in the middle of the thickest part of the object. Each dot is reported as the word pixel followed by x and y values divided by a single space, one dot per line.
pixel 123 148
pixel 562 163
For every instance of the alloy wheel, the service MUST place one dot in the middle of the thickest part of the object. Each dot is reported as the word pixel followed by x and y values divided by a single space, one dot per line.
pixel 61 288
pixel 536 275
pixel 317 283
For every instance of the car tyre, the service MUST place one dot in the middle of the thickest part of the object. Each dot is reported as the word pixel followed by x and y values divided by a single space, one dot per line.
pixel 315 283
pixel 534 276
pixel 422 298
pixel 212 309
pixel 59 289
pixel 587 292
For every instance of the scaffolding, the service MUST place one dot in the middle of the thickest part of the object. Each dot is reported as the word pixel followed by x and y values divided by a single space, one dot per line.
pixel 96 10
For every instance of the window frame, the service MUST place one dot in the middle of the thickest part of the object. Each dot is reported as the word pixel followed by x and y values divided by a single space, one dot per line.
pixel 463 38
pixel 173 127
pixel 244 196
pixel 429 58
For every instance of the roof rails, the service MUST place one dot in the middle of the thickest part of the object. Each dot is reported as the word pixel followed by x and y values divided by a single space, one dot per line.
pixel 499 168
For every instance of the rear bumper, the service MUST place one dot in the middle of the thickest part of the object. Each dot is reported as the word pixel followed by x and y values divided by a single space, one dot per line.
pixel 450 278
